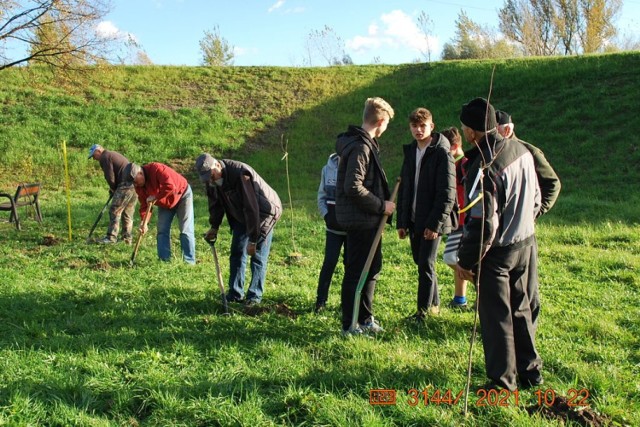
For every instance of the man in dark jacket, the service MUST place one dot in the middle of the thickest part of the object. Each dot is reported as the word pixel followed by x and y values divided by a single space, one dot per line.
pixel 252 208
pixel 123 201
pixel 362 195
pixel 549 190
pixel 426 198
pixel 504 198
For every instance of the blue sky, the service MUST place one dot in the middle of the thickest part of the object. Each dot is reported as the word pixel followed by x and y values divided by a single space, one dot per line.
pixel 273 32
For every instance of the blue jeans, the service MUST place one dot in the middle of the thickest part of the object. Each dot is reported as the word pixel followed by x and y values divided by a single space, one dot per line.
pixel 184 210
pixel 238 263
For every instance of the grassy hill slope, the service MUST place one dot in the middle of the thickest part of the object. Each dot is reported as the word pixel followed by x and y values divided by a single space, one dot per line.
pixel 87 340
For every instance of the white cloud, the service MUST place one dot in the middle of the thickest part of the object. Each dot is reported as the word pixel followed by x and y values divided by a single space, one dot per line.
pixel 277 5
pixel 107 30
pixel 396 30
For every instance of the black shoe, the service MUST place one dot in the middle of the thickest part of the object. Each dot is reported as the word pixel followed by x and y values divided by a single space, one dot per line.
pixel 251 303
pixel 320 306
pixel 417 317
pixel 234 299
pixel 528 383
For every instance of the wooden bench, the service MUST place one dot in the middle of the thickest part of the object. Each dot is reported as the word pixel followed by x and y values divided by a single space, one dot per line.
pixel 26 195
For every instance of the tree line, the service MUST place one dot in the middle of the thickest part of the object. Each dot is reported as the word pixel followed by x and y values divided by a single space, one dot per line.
pixel 62 34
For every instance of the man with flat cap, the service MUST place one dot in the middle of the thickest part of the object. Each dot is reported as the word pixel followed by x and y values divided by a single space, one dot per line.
pixel 502 191
pixel 159 184
pixel 123 201
pixel 252 208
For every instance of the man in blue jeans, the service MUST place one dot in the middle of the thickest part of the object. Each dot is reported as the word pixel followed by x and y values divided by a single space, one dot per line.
pixel 252 208
pixel 159 184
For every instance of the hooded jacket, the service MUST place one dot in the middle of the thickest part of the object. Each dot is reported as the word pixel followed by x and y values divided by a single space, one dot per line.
pixel 362 187
pixel 511 198
pixel 245 198
pixel 436 187
pixel 327 194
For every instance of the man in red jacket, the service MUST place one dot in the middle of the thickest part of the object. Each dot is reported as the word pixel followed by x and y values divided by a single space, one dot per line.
pixel 171 193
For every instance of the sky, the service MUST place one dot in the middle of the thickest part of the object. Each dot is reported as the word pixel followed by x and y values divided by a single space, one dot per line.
pixel 274 32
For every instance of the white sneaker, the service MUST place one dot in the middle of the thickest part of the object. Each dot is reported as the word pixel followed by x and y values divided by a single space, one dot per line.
pixel 372 326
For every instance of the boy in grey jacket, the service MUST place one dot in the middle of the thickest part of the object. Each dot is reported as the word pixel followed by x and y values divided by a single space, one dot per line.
pixel 335 236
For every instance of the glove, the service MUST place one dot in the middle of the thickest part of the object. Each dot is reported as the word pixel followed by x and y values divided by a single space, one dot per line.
pixel 211 235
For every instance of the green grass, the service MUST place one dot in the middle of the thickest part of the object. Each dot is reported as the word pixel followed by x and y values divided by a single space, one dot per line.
pixel 87 340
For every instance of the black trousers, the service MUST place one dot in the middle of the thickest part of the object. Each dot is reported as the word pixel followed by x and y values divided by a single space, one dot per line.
pixel 508 332
pixel 358 245
pixel 424 255
pixel 332 247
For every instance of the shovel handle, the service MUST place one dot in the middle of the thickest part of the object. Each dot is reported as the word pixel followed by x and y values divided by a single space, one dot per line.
pixel 145 221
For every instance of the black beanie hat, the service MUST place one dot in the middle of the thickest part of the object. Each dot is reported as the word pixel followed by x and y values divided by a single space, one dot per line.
pixel 473 115
pixel 503 118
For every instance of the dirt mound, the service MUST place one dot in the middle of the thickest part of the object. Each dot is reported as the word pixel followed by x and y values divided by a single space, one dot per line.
pixel 280 308
pixel 50 240
pixel 562 411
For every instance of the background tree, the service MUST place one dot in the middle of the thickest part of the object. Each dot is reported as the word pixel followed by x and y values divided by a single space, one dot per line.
pixel 532 24
pixel 549 27
pixel 56 32
pixel 598 27
pixel 216 50
pixel 327 47
pixel 474 41
pixel 425 24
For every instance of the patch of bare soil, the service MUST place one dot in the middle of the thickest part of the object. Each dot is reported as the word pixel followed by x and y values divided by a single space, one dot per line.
pixel 562 411
pixel 280 308
pixel 50 240
pixel 102 266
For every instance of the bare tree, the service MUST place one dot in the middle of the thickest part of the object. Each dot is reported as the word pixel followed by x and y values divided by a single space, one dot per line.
pixel 216 50
pixel 60 33
pixel 328 46
pixel 425 24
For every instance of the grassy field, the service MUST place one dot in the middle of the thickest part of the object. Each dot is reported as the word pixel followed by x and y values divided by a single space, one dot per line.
pixel 87 340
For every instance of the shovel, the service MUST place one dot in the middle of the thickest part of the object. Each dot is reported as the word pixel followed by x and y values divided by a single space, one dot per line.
pixel 95 224
pixel 147 217
pixel 212 244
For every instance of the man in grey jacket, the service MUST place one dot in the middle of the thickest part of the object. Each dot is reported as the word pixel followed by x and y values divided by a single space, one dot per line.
pixel 252 208
pixel 504 198
pixel 362 195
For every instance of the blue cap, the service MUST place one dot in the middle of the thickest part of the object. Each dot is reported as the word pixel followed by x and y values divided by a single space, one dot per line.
pixel 92 150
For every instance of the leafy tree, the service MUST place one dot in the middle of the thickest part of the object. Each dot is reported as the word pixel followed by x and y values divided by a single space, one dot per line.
pixel 549 27
pixel 531 24
pixel 474 41
pixel 59 33
pixel 216 50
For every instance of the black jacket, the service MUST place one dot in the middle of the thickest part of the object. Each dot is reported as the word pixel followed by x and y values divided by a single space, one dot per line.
pixel 436 195
pixel 362 188
pixel 246 199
